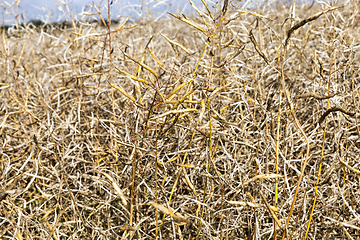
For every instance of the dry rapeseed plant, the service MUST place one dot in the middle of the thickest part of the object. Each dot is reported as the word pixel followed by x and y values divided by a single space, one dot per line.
pixel 227 124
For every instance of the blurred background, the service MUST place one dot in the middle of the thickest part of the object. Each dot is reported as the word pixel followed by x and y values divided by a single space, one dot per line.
pixel 60 10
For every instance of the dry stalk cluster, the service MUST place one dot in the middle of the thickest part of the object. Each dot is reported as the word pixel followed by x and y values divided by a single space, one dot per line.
pixel 229 124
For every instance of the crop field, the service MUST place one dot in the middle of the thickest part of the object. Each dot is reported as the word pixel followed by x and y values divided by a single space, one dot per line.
pixel 232 122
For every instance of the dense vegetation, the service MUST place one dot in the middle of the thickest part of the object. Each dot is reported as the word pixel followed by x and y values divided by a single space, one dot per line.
pixel 227 124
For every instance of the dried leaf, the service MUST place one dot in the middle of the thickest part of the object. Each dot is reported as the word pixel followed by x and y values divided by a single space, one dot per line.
pixel 189 183
pixel 350 167
pixel 271 211
pixel 305 21
pixel 186 165
pixel 262 176
pixel 178 88
pixel 207 8
pixel 201 14
pixel 156 59
pixel 132 77
pixel 120 27
pixel 253 40
pixel 123 92
pixel 142 65
pixel 175 43
pixel 189 22
pixel 165 210
pixel 314 95
pixel 245 204
pixel 116 187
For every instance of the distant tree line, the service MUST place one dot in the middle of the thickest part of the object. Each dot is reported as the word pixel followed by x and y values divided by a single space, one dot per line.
pixel 39 24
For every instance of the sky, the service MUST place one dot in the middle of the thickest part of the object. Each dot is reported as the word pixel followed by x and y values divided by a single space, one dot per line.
pixel 55 10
